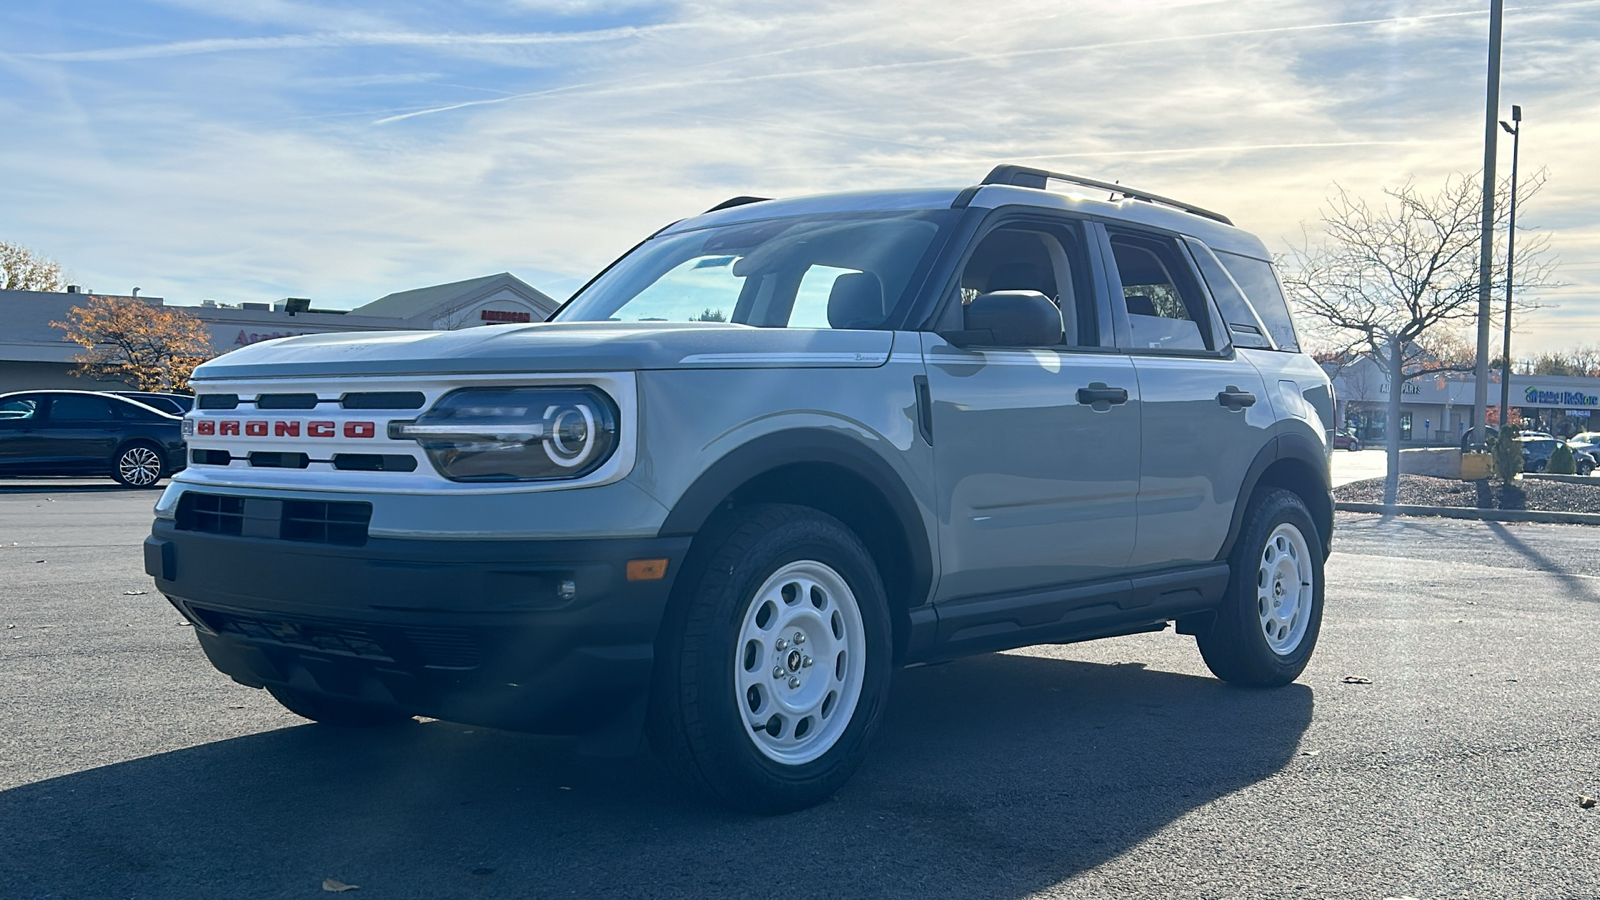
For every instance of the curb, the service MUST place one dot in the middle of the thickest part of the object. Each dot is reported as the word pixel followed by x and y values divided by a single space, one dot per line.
pixel 1483 515
pixel 1564 479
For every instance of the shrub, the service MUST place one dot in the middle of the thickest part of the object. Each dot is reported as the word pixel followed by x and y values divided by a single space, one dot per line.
pixel 1561 461
pixel 1506 457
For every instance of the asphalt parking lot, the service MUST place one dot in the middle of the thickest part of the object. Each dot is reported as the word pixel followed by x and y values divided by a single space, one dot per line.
pixel 129 768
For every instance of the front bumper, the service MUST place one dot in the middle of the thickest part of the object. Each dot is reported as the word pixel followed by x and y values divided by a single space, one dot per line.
pixel 541 636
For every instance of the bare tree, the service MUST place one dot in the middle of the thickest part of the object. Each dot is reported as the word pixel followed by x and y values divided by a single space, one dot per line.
pixel 22 269
pixel 1394 281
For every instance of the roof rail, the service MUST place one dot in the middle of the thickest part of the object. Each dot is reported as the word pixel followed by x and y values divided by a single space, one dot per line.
pixel 1023 176
pixel 731 202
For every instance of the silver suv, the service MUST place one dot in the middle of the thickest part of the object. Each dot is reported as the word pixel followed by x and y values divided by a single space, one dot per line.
pixel 771 454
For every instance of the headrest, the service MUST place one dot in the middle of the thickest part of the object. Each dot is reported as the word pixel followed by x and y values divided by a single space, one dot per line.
pixel 1021 276
pixel 856 301
pixel 1140 305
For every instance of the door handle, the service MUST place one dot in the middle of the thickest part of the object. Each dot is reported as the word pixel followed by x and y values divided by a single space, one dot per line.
pixel 1235 399
pixel 1101 397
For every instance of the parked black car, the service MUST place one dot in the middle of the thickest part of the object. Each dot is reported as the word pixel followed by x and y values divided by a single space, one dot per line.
pixel 177 404
pixel 88 433
pixel 1536 455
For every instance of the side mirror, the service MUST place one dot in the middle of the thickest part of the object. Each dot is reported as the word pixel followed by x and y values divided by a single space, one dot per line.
pixel 1009 319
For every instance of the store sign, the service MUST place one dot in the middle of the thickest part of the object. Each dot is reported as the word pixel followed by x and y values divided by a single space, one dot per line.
pixel 505 315
pixel 1406 387
pixel 245 339
pixel 1560 398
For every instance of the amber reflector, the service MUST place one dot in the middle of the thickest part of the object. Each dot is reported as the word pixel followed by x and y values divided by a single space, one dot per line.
pixel 647 569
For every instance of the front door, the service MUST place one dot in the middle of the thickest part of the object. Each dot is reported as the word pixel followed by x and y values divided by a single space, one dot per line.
pixel 1035 449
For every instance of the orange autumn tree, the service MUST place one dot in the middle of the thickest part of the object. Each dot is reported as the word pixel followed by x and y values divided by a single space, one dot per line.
pixel 150 348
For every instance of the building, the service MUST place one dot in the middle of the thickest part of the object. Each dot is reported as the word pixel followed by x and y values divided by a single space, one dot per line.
pixel 1439 408
pixel 34 354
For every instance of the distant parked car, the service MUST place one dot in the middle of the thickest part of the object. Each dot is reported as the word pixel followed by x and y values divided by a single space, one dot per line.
pixel 88 433
pixel 177 404
pixel 1585 437
pixel 1536 455
pixel 1592 448
pixel 1344 440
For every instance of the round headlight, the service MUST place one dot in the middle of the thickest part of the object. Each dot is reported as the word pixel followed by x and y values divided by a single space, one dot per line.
pixel 516 434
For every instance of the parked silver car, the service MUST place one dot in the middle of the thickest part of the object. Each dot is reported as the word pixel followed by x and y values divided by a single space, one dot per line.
pixel 771 454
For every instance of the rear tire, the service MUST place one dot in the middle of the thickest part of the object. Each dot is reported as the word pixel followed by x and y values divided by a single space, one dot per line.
pixel 139 465
pixel 1268 623
pixel 326 710
pixel 772 671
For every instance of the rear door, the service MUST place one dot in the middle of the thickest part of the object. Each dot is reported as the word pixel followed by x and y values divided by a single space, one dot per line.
pixel 81 431
pixel 21 441
pixel 1204 414
pixel 1034 448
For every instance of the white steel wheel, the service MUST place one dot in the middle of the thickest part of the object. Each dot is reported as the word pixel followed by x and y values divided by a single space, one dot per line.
pixel 800 662
pixel 139 466
pixel 1285 588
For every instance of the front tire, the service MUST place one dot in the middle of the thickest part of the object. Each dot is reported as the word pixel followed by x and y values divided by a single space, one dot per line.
pixel 326 710
pixel 1268 624
pixel 139 466
pixel 773 668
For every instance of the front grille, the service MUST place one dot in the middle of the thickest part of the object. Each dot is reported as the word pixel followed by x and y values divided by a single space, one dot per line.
pixel 267 459
pixel 343 640
pixel 286 401
pixel 211 514
pixel 218 401
pixel 445 648
pixel 312 521
pixel 374 462
pixel 383 400
pixel 321 522
pixel 212 457
pixel 433 648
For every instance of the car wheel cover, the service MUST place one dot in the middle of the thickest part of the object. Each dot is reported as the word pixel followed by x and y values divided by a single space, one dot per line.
pixel 800 662
pixel 139 466
pixel 1285 588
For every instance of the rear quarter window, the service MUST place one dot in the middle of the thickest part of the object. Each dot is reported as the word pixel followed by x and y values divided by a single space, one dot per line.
pixel 1260 285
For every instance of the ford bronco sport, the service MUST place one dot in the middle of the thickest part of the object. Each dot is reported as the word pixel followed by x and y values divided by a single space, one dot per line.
pixel 769 455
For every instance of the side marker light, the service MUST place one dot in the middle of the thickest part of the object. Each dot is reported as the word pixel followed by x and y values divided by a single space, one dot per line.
pixel 647 569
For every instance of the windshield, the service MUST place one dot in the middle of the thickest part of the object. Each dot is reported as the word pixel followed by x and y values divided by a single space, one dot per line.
pixel 840 270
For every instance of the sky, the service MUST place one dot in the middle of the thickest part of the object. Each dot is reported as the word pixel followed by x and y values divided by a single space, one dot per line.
pixel 251 150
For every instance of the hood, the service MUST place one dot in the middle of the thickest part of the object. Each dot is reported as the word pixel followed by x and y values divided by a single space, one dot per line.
pixel 552 347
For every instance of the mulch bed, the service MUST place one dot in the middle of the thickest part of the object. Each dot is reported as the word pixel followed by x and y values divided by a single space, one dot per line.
pixel 1422 490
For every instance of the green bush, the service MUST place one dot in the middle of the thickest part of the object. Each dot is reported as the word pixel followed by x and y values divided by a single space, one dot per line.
pixel 1506 457
pixel 1561 461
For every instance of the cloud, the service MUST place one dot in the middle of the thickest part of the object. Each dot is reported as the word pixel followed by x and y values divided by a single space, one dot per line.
pixel 343 39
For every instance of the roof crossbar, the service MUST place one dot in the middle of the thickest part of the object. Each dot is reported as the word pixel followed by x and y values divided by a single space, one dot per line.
pixel 1023 176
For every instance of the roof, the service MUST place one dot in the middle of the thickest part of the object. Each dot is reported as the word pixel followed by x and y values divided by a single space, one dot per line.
pixel 1219 235
pixel 406 304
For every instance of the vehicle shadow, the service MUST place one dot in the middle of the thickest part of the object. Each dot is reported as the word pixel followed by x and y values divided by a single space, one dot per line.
pixel 69 485
pixel 995 776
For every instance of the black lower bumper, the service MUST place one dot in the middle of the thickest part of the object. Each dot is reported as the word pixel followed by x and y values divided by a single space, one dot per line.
pixel 542 636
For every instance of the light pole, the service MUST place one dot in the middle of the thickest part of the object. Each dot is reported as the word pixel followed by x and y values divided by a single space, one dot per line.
pixel 1511 250
pixel 1480 393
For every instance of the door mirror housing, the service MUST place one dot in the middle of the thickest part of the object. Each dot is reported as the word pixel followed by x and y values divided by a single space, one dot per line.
pixel 1009 319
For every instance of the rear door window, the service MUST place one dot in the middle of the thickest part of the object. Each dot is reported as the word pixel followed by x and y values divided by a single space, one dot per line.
pixel 66 408
pixel 1166 308
pixel 1260 284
